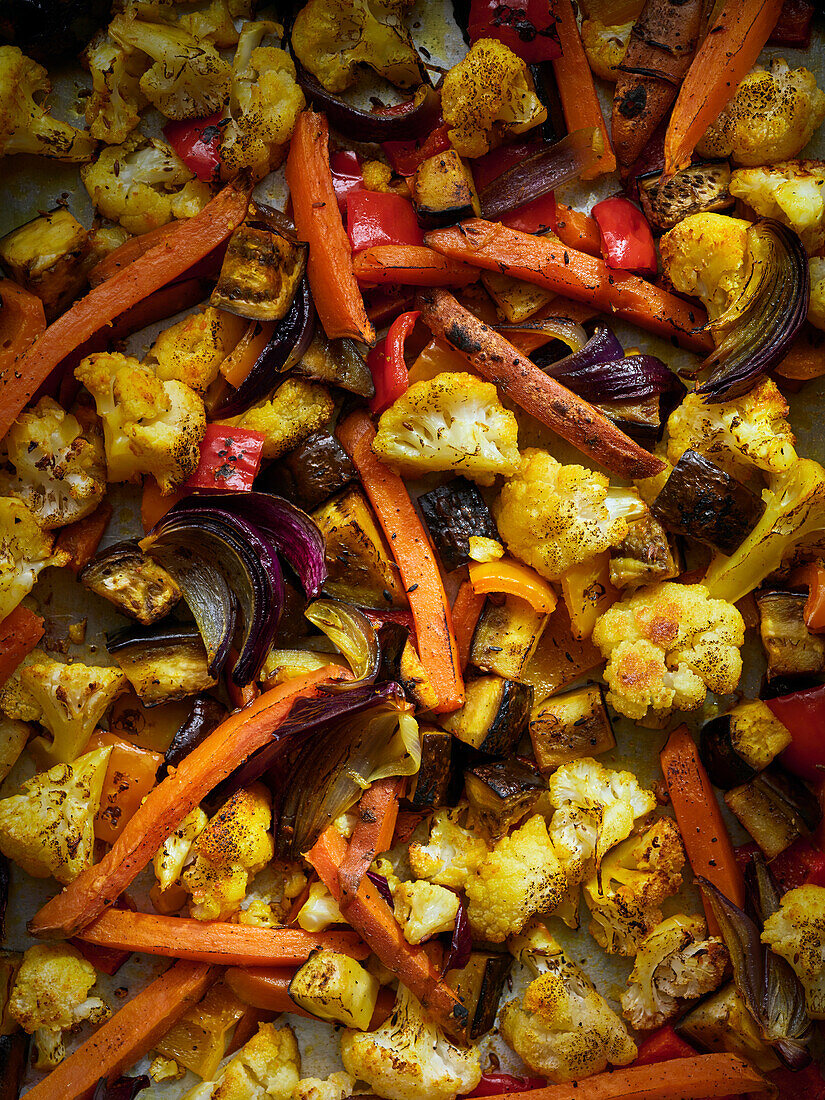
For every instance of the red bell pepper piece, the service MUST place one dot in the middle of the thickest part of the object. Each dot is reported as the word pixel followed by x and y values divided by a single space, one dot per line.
pixel 497 161
pixel 793 27
pixel 804 1084
pixel 803 713
pixel 627 242
pixel 533 217
pixel 387 364
pixel 345 166
pixel 493 1084
pixel 528 27
pixel 801 864
pixel 229 459
pixel 405 156
pixel 663 1045
pixel 376 217
pixel 197 143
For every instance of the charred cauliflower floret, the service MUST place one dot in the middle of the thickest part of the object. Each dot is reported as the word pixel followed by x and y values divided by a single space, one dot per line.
pixel 149 426
pixel 666 646
pixel 424 910
pixel 332 38
pixel 634 879
pixel 295 410
pixel 113 109
pixel 25 124
pixel 518 879
pixel 270 898
pixel 486 96
pixel 705 256
pixel 555 517
pixel 51 996
pixel 605 46
pixel 796 931
pixel 792 192
pixel 320 910
pixel 771 118
pixel 58 466
pixel 142 184
pixel 173 854
pixel 816 305
pixel 451 854
pixel 25 551
pixel 48 829
pixel 268 1067
pixel 192 350
pixel 451 422
pixel 338 1086
pixel 214 24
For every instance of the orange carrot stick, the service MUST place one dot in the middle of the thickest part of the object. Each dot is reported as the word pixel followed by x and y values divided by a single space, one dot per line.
pixel 415 559
pixel 128 1035
pixel 81 539
pixel 707 843
pixel 168 804
pixel 546 262
pixel 128 252
pixel 156 268
pixel 577 230
pixel 22 320
pixel 467 609
pixel 812 576
pixel 318 221
pixel 20 632
pixel 516 580
pixel 410 265
pixel 267 988
pixel 729 50
pixel 377 814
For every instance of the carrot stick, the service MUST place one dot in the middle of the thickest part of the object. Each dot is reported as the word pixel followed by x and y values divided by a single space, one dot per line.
pixel 516 580
pixel 263 987
pixel 156 268
pixel 537 393
pixel 373 919
pixel 546 262
pixel 410 265
pixel 579 99
pixel 377 814
pixel 154 504
pixel 167 805
pixel 128 252
pixel 20 632
pixel 214 941
pixel 812 576
pixel 415 559
pixel 707 843
pixel 467 609
pixel 80 540
pixel 128 1035
pixel 318 221
pixel 577 230
pixel 22 320
pixel 729 50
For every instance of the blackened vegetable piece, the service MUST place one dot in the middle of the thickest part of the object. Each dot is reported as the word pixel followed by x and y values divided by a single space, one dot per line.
pixel 136 585
pixel 453 512
pixel 554 128
pixel 311 473
pixel 338 363
pixel 506 637
pixel 46 29
pixel 429 786
pixel 694 190
pixel 502 792
pixel 124 1088
pixel 206 714
pixel 699 499
pixel 736 746
pixel 644 556
pixel 494 715
pixel 480 984
pixel 570 725
pixel 776 808
pixel 162 664
pixel 443 191
pixel 791 649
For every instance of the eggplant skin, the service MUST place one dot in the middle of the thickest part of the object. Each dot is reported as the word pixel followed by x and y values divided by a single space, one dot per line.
pixel 49 29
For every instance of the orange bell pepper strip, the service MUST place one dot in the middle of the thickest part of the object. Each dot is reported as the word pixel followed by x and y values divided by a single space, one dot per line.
pixel 243 357
pixel 577 230
pixel 22 320
pixel 169 802
pixel 81 539
pixel 191 240
pixel 20 632
pixel 812 576
pixel 130 775
pixel 514 579
pixel 318 221
pixel 467 608
pixel 373 832
pixel 410 265
pixel 707 842
pixel 154 504
pixel 415 559
pixel 268 988
pixel 128 1035
pixel 730 49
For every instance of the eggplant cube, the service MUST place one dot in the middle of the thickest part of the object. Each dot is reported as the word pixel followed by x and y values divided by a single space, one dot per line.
pixel 260 274
pixel 480 984
pixel 736 746
pixel 162 665
pixel 494 715
pixel 571 725
pixel 791 649
pixel 454 513
pixel 502 792
pixel 317 468
pixel 776 808
pixel 506 637
pixel 431 782
pixel 132 582
pixel 48 257
pixel 694 190
pixel 644 556
pixel 443 190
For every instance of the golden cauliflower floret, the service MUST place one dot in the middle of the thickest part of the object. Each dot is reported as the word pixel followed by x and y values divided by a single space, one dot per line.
pixel 51 995
pixel 295 410
pixel 452 853
pixel 518 879
pixel 816 306
pixel 338 1086
pixel 149 426
pixel 749 431
pixel 229 852
pixel 172 855
pixel 424 910
pixel 705 256
pixel 792 192
pixel 268 1067
pixel 192 350
pixel 451 422
pixel 555 517
pixel 771 118
pixel 320 910
pixel 25 551
pixel 605 46
pixel 486 96
pixel 666 646
pixel 271 895
pixel 796 931
pixel 113 109
pixel 48 829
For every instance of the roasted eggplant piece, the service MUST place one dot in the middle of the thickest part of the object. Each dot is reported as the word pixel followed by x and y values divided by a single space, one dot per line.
pixel 260 274
pixel 722 1023
pixel 494 715
pixel 430 784
pixel 791 649
pixel 516 300
pixel 644 556
pixel 313 472
pixel 571 725
pixel 443 190
pixel 506 636
pixel 136 585
pixel 47 256
pixel 334 987
pixel 559 659
pixel 776 808
pixel 502 792
pixel 163 664
pixel 738 745
pixel 480 984
pixel 453 514
pixel 554 128
pixel 641 420
pixel 694 190
pixel 336 362
pixel 699 499
pixel 206 715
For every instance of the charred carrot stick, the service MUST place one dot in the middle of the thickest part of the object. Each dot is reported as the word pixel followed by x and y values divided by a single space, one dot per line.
pixel 377 814
pixel 707 843
pixel 81 539
pixel 128 1035
pixel 126 253
pixel 169 802
pixel 546 262
pixel 20 632
pixel 543 397
pixel 22 320
pixel 318 221
pixel 467 608
pixel 415 559
pixel 410 265
pixel 267 988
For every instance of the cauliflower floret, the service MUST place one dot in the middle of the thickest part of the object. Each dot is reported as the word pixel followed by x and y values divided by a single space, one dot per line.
pixel 338 1086
pixel 796 931
pixel 750 431
pixel 142 184
pixel 605 46
pixel 51 995
pixel 296 409
pixel 149 426
pixel 555 517
pixel 113 109
pixel 771 118
pixel 452 853
pixel 48 829
pixel 424 910
pixel 519 878
pixel 563 1028
pixel 486 96
pixel 59 468
pixel 320 910
pixel 214 24
pixel 332 38
pixel 816 306
pixel 230 851
pixel 268 1067
pixel 675 963
pixel 634 879
pixel 25 551
pixel 192 350
pixel 792 192
pixel 172 855
pixel 270 899
pixel 705 256
pixel 409 1058
pixel 594 808
pixel 666 646
pixel 450 422
pixel 25 125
